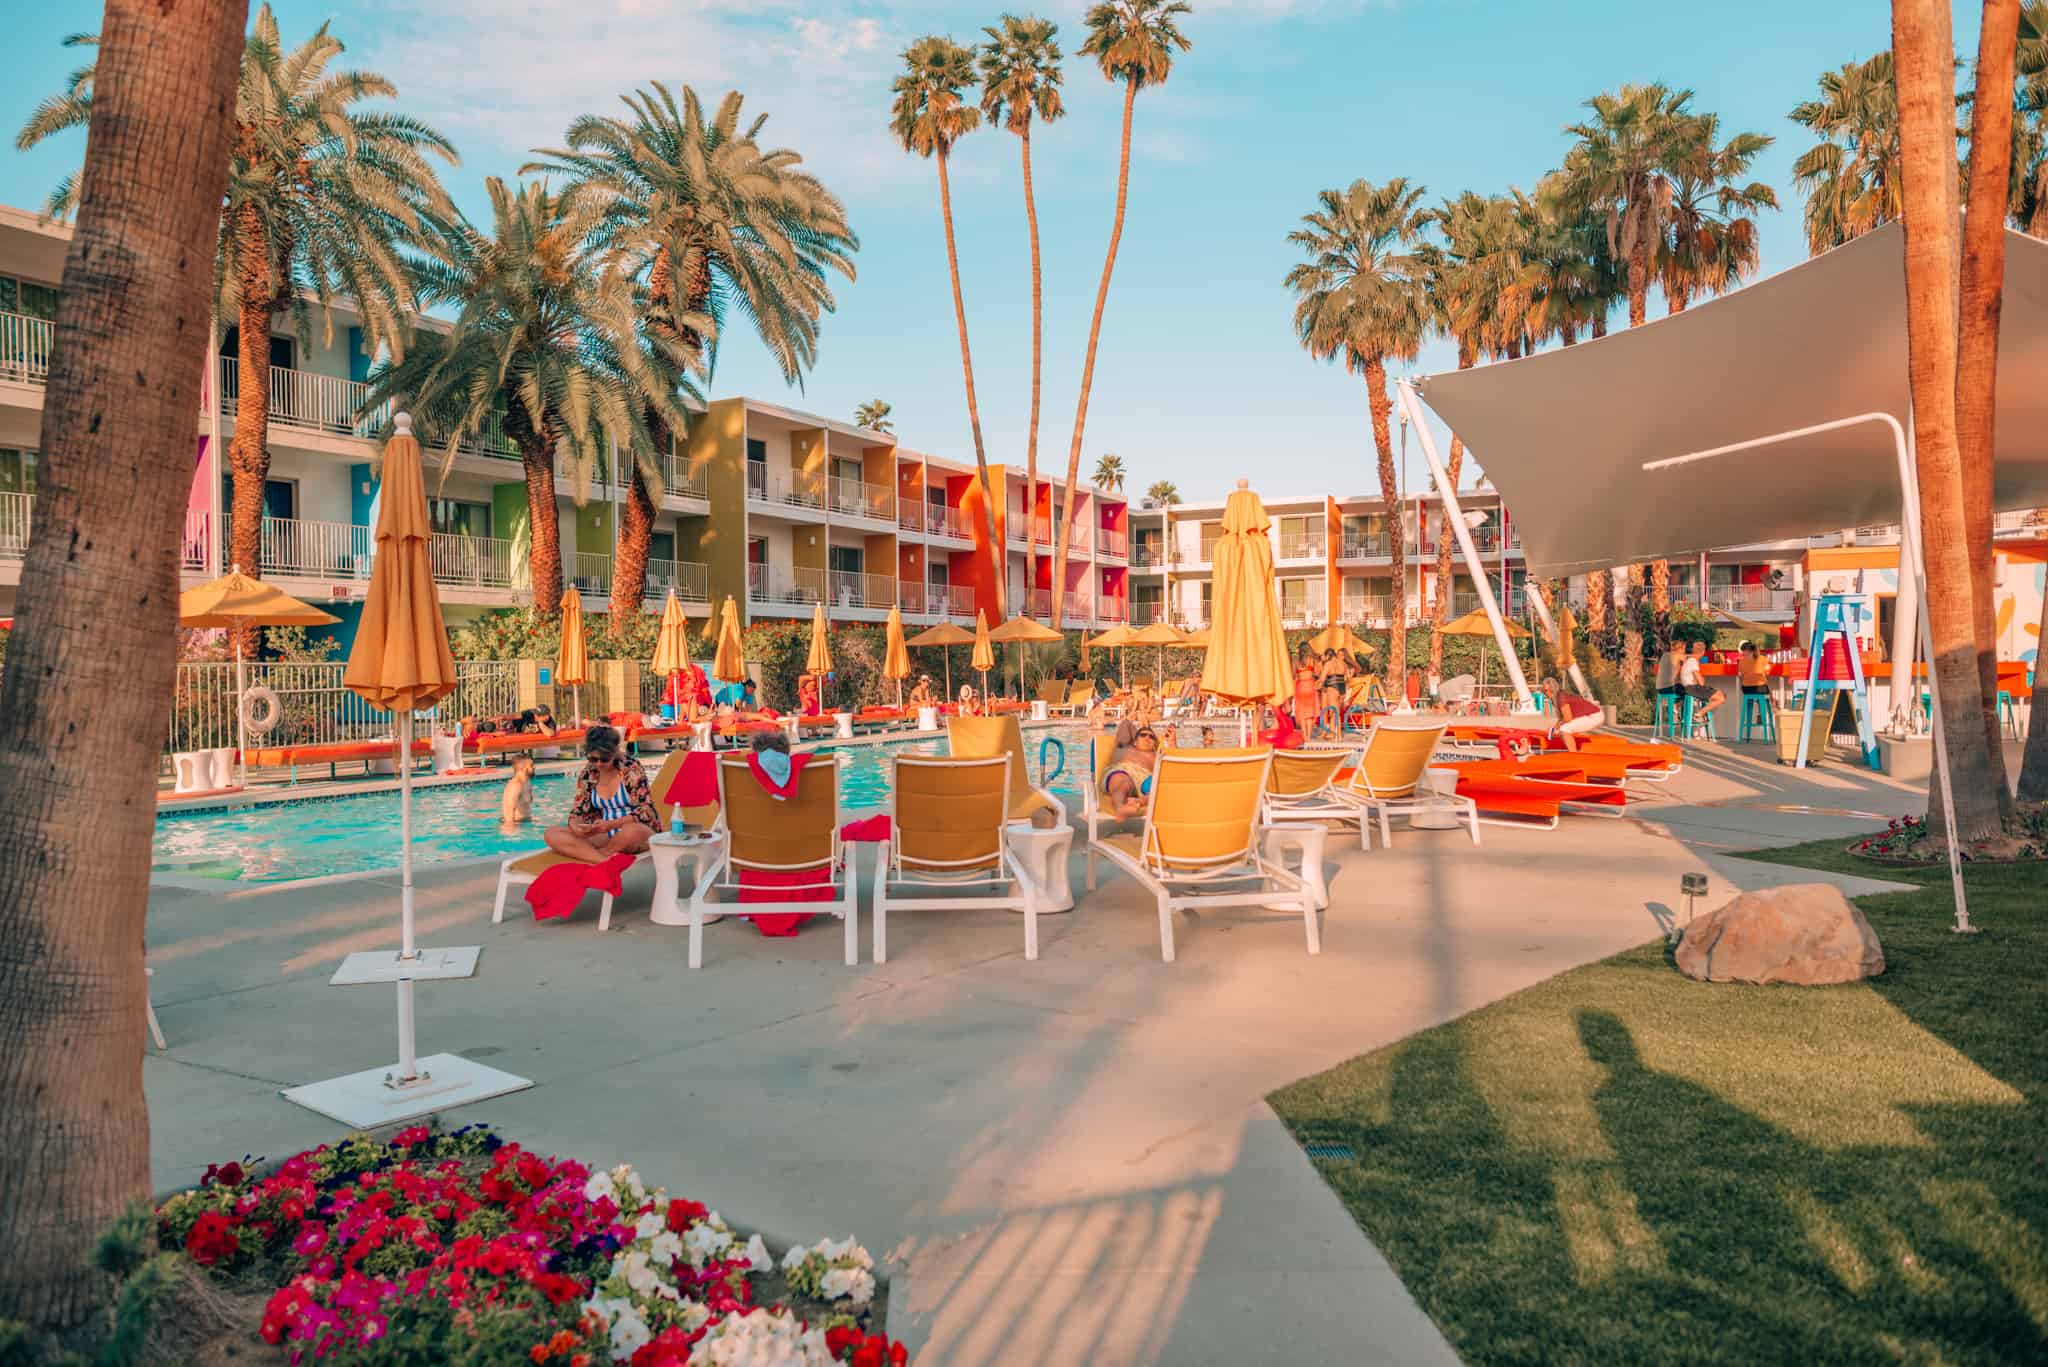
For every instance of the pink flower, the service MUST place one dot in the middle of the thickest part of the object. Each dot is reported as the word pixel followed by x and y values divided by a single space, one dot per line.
pixel 311 1238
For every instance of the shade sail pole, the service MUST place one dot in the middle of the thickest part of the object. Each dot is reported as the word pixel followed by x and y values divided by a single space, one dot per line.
pixel 1909 521
pixel 1454 517
pixel 1550 629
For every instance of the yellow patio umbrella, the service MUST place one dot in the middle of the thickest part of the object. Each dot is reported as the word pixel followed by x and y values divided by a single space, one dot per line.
pixel 896 655
pixel 984 657
pixel 1337 636
pixel 818 663
pixel 672 645
pixel 1476 623
pixel 1197 640
pixel 728 660
pixel 572 657
pixel 1116 638
pixel 1020 631
pixel 1161 635
pixel 1247 660
pixel 234 600
pixel 943 635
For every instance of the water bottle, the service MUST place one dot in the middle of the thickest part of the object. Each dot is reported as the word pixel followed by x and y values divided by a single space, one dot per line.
pixel 677 828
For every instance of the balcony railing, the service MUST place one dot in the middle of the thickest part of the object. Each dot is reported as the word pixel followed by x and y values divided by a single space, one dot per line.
pixel 1077 611
pixel 959 601
pixel 1014 523
pixel 1113 543
pixel 1208 550
pixel 911 597
pixel 856 498
pixel 309 401
pixel 1369 609
pixel 782 584
pixel 690 580
pixel 477 561
pixel 910 514
pixel 1366 547
pixel 1305 609
pixel 853 589
pixel 25 348
pixel 947 521
pixel 1750 598
pixel 783 486
pixel 320 550
pixel 1149 555
pixel 1111 610
pixel 16 514
pixel 192 551
pixel 1144 614
pixel 1303 547
pixel 591 572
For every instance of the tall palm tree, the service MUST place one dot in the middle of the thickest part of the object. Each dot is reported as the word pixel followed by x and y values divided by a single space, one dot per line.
pixel 929 115
pixel 874 416
pixel 1109 473
pixel 1851 176
pixel 1712 243
pixel 546 344
pixel 2030 124
pixel 1982 289
pixel 1020 82
pixel 1559 284
pixel 69 108
pixel 1924 45
pixel 1359 297
pixel 117 443
pixel 1163 493
pixel 1133 42
pixel 1625 157
pixel 695 208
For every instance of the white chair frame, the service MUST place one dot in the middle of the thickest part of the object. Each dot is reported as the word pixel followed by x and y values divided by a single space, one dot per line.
pixel 1374 804
pixel 891 872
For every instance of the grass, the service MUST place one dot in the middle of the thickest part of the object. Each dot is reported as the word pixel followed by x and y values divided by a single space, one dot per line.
pixel 1623 1165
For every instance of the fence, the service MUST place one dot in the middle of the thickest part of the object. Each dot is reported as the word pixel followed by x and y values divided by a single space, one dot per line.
pixel 24 348
pixel 853 589
pixel 313 707
pixel 856 498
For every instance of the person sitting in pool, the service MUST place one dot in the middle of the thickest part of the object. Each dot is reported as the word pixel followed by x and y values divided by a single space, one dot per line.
pixel 924 695
pixel 1127 783
pixel 613 811
pixel 970 702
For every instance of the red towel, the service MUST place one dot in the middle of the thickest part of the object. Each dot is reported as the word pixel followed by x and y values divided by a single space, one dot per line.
pixel 774 885
pixel 769 785
pixel 560 887
pixel 696 781
pixel 874 829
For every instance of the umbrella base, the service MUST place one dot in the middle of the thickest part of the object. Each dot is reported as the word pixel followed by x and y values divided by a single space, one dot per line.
pixel 365 1100
pixel 384 966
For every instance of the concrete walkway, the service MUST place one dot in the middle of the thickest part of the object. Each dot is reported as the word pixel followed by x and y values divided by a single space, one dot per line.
pixel 1062 1161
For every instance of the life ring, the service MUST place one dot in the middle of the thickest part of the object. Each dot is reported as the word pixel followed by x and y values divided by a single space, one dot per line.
pixel 261 711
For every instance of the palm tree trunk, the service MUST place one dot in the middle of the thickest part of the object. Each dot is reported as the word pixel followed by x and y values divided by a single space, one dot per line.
pixel 1116 233
pixel 1639 281
pixel 2034 763
pixel 1037 340
pixel 1599 598
pixel 1600 325
pixel 1632 629
pixel 249 451
pixel 1982 294
pixel 116 465
pixel 543 532
pixel 1397 541
pixel 1660 601
pixel 991 495
pixel 636 536
pixel 1467 357
pixel 1924 55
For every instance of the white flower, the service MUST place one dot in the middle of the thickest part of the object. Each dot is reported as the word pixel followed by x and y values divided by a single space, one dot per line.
pixel 761 1338
pixel 665 1248
pixel 706 1241
pixel 599 1187
pixel 796 1254
pixel 649 1225
pixel 852 1283
pixel 758 1255
pixel 639 1273
pixel 628 1330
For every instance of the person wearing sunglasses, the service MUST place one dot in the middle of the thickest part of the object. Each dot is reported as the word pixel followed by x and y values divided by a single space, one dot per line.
pixel 1127 783
pixel 613 812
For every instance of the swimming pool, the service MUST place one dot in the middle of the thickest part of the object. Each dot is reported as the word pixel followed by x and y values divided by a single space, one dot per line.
pixel 319 837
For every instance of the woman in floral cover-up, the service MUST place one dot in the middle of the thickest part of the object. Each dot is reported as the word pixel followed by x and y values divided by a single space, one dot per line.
pixel 613 812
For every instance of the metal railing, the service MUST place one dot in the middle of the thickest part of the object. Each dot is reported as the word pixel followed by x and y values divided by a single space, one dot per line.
pixel 591 572
pixel 1144 614
pixel 911 596
pixel 1077 611
pixel 1370 609
pixel 1150 555
pixel 1366 547
pixel 313 706
pixel 483 562
pixel 1207 553
pixel 192 551
pixel 857 498
pixel 1298 547
pixel 1750 598
pixel 910 514
pixel 25 348
pixel 959 602
pixel 1304 607
pixel 17 514
pixel 307 400
pixel 783 486
pixel 1111 610
pixel 948 521
pixel 324 550
pixel 690 580
pixel 783 584
pixel 1113 543
pixel 856 589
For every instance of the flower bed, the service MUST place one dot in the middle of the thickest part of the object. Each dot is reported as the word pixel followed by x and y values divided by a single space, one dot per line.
pixel 1906 841
pixel 463 1248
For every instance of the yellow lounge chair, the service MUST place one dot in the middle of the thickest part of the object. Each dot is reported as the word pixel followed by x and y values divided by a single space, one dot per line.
pixel 948 832
pixel 1072 699
pixel 987 737
pixel 1302 790
pixel 796 835
pixel 1390 778
pixel 521 869
pixel 1199 845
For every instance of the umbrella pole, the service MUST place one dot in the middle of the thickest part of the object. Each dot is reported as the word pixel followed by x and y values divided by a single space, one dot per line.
pixel 408 1061
pixel 241 725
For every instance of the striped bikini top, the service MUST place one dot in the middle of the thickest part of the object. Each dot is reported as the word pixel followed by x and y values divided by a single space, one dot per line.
pixel 617 807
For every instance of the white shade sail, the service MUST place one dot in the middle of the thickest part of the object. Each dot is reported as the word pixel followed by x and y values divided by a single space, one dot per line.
pixel 1564 434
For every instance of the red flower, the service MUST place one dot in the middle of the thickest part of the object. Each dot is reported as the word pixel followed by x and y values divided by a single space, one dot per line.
pixel 410 1138
pixel 869 1354
pixel 212 1239
pixel 683 1214
pixel 841 1337
pixel 226 1174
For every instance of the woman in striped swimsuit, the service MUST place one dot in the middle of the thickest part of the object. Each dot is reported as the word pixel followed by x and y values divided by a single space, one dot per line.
pixel 614 809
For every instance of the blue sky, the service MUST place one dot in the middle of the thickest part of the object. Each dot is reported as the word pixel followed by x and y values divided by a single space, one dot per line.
pixel 1199 378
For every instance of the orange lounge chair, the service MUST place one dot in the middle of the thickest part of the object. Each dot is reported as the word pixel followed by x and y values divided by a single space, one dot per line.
pixel 330 753
pixel 1533 791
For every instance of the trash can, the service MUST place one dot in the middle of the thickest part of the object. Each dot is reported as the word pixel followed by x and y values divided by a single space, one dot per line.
pixel 1788 737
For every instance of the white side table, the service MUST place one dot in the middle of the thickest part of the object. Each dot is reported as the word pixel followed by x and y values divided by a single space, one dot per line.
pixel 1043 853
pixel 1309 837
pixel 1442 816
pixel 669 853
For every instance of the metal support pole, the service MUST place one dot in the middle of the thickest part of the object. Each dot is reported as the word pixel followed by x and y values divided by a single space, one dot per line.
pixel 211 387
pixel 1909 521
pixel 1454 518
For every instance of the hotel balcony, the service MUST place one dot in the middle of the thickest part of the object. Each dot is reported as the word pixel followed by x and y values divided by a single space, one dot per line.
pixel 949 522
pixel 1150 555
pixel 851 589
pixel 690 580
pixel 959 602
pixel 1743 598
pixel 1114 544
pixel 25 348
pixel 1365 548
pixel 1077 612
pixel 1373 610
pixel 1303 547
pixel 779 585
pixel 856 498
pixel 782 488
pixel 1305 609
pixel 1144 614
pixel 1111 611
pixel 910 514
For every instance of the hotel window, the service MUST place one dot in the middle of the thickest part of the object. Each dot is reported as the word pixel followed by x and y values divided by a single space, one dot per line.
pixel 1208 587
pixel 844 559
pixel 17 471
pixel 662 546
pixel 938 574
pixel 282 349
pixel 757 550
pixel 459 518
pixel 844 468
pixel 27 297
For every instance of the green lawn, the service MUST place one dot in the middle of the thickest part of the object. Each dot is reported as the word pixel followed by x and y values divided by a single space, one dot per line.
pixel 1622 1165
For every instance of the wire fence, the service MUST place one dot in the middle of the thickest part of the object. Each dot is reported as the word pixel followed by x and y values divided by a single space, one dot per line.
pixel 313 706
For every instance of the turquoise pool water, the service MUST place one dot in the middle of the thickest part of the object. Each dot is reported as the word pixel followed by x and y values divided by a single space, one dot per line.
pixel 282 841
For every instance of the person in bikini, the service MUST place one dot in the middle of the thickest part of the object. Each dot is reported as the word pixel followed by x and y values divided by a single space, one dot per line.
pixel 613 811
pixel 1127 783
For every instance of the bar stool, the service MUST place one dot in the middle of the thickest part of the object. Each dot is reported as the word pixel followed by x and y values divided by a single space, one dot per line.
pixel 1702 723
pixel 1757 715
pixel 1668 713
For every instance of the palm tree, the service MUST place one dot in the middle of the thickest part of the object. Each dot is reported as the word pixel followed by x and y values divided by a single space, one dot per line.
pixel 1109 473
pixel 874 416
pixel 697 210
pixel 1559 284
pixel 2030 125
pixel 545 344
pixel 1020 81
pixel 1132 41
pixel 1625 158
pixel 1712 243
pixel 117 425
pixel 930 115
pixel 1923 43
pixel 1851 176
pixel 1163 494
pixel 1359 297
pixel 70 108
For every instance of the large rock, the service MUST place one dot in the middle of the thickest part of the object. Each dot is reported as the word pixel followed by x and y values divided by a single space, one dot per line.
pixel 1804 933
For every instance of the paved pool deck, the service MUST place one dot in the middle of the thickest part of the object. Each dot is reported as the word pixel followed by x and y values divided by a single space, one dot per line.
pixel 1063 1161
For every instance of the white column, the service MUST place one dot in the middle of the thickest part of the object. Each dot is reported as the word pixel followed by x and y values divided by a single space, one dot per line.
pixel 210 386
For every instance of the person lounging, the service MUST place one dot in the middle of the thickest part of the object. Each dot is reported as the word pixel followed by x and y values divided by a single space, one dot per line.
pixel 613 809
pixel 1127 783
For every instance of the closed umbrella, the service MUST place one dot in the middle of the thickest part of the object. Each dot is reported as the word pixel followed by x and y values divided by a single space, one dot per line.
pixel 728 659
pixel 401 663
pixel 984 657
pixel 1247 660
pixel 1476 623
pixel 943 635
pixel 572 656
pixel 818 662
pixel 236 599
pixel 672 645
pixel 896 657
